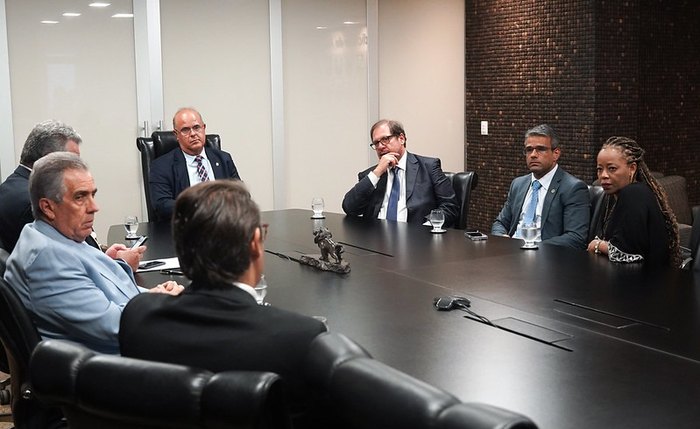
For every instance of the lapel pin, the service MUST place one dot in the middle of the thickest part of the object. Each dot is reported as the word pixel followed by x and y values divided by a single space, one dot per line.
pixel 217 164
pixel 554 190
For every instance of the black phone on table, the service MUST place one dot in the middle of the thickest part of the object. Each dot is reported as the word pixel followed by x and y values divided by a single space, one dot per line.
pixel 476 235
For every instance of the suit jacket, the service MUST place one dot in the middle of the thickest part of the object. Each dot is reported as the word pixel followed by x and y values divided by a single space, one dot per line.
pixel 72 290
pixel 169 177
pixel 16 208
pixel 427 188
pixel 565 214
pixel 219 329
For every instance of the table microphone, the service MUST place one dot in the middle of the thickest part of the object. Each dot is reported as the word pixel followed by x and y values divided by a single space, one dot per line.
pixel 450 302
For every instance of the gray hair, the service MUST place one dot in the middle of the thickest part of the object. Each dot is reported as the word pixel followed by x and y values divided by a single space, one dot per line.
pixel 46 180
pixel 46 137
pixel 544 130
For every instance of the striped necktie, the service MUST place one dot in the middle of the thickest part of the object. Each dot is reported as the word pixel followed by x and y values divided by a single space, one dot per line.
pixel 201 171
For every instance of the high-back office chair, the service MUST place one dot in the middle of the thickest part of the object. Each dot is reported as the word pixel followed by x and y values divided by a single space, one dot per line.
pixel 677 192
pixel 5 396
pixel 362 392
pixel 110 392
pixel 596 194
pixel 160 143
pixel 19 338
pixel 463 183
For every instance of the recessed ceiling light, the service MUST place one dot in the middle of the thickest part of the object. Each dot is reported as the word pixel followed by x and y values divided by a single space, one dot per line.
pixel 98 4
pixel 46 21
pixel 123 15
pixel 321 28
pixel 350 22
pixel 71 14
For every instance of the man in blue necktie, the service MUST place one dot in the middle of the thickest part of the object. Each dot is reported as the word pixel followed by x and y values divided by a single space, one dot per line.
pixel 556 201
pixel 402 186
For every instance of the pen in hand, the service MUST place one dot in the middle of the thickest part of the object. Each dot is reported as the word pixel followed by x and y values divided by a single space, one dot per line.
pixel 172 272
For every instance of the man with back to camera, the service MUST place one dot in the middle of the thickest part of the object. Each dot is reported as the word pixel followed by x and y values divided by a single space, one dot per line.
pixel 16 208
pixel 193 163
pixel 556 201
pixel 216 322
pixel 422 184
pixel 72 290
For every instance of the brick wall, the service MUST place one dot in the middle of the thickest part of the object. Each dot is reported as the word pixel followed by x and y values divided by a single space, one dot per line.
pixel 587 69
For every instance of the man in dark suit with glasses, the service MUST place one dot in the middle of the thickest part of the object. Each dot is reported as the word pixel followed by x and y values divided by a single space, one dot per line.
pixel 402 187
pixel 549 197
pixel 194 163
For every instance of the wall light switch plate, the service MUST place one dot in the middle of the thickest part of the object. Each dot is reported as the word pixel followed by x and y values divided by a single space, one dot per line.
pixel 484 128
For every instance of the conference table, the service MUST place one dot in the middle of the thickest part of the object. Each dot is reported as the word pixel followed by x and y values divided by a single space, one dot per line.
pixel 563 336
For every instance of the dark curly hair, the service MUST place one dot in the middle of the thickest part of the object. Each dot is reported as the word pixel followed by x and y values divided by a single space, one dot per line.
pixel 634 153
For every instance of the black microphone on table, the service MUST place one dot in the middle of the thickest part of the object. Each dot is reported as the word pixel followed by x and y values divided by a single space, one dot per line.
pixel 451 302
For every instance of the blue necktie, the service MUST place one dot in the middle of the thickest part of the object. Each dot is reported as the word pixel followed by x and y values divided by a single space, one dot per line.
pixel 392 207
pixel 530 215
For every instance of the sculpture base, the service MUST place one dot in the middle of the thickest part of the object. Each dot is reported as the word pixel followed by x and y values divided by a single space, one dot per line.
pixel 315 261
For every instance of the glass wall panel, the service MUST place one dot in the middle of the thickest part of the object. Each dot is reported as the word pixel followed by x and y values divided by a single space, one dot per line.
pixel 216 58
pixel 80 69
pixel 325 94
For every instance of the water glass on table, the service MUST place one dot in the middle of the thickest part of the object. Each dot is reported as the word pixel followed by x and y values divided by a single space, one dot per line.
pixel 131 225
pixel 261 290
pixel 529 233
pixel 437 219
pixel 317 206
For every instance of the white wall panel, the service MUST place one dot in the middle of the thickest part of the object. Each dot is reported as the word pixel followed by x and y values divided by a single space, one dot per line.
pixel 216 58
pixel 421 75
pixel 80 71
pixel 325 83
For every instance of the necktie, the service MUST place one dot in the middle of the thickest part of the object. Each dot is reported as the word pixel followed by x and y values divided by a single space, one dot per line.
pixel 201 171
pixel 393 205
pixel 530 214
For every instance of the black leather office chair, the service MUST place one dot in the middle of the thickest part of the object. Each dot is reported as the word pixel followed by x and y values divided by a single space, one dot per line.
pixel 4 366
pixel 3 261
pixel 463 183
pixel 361 392
pixel 5 395
pixel 160 143
pixel 19 338
pixel 110 392
pixel 596 194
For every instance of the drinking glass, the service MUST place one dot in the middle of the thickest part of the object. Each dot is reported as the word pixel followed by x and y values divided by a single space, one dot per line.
pixel 131 225
pixel 261 290
pixel 317 207
pixel 529 233
pixel 437 219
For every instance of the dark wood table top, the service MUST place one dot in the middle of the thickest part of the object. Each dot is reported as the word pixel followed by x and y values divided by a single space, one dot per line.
pixel 580 342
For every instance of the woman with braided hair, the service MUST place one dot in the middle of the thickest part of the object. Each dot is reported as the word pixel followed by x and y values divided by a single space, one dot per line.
pixel 637 224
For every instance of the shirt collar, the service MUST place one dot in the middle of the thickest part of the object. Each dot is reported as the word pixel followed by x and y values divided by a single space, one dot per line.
pixel 190 158
pixel 545 180
pixel 246 288
pixel 402 161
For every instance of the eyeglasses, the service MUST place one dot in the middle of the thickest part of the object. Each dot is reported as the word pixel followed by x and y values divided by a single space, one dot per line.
pixel 263 231
pixel 187 130
pixel 539 149
pixel 383 141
